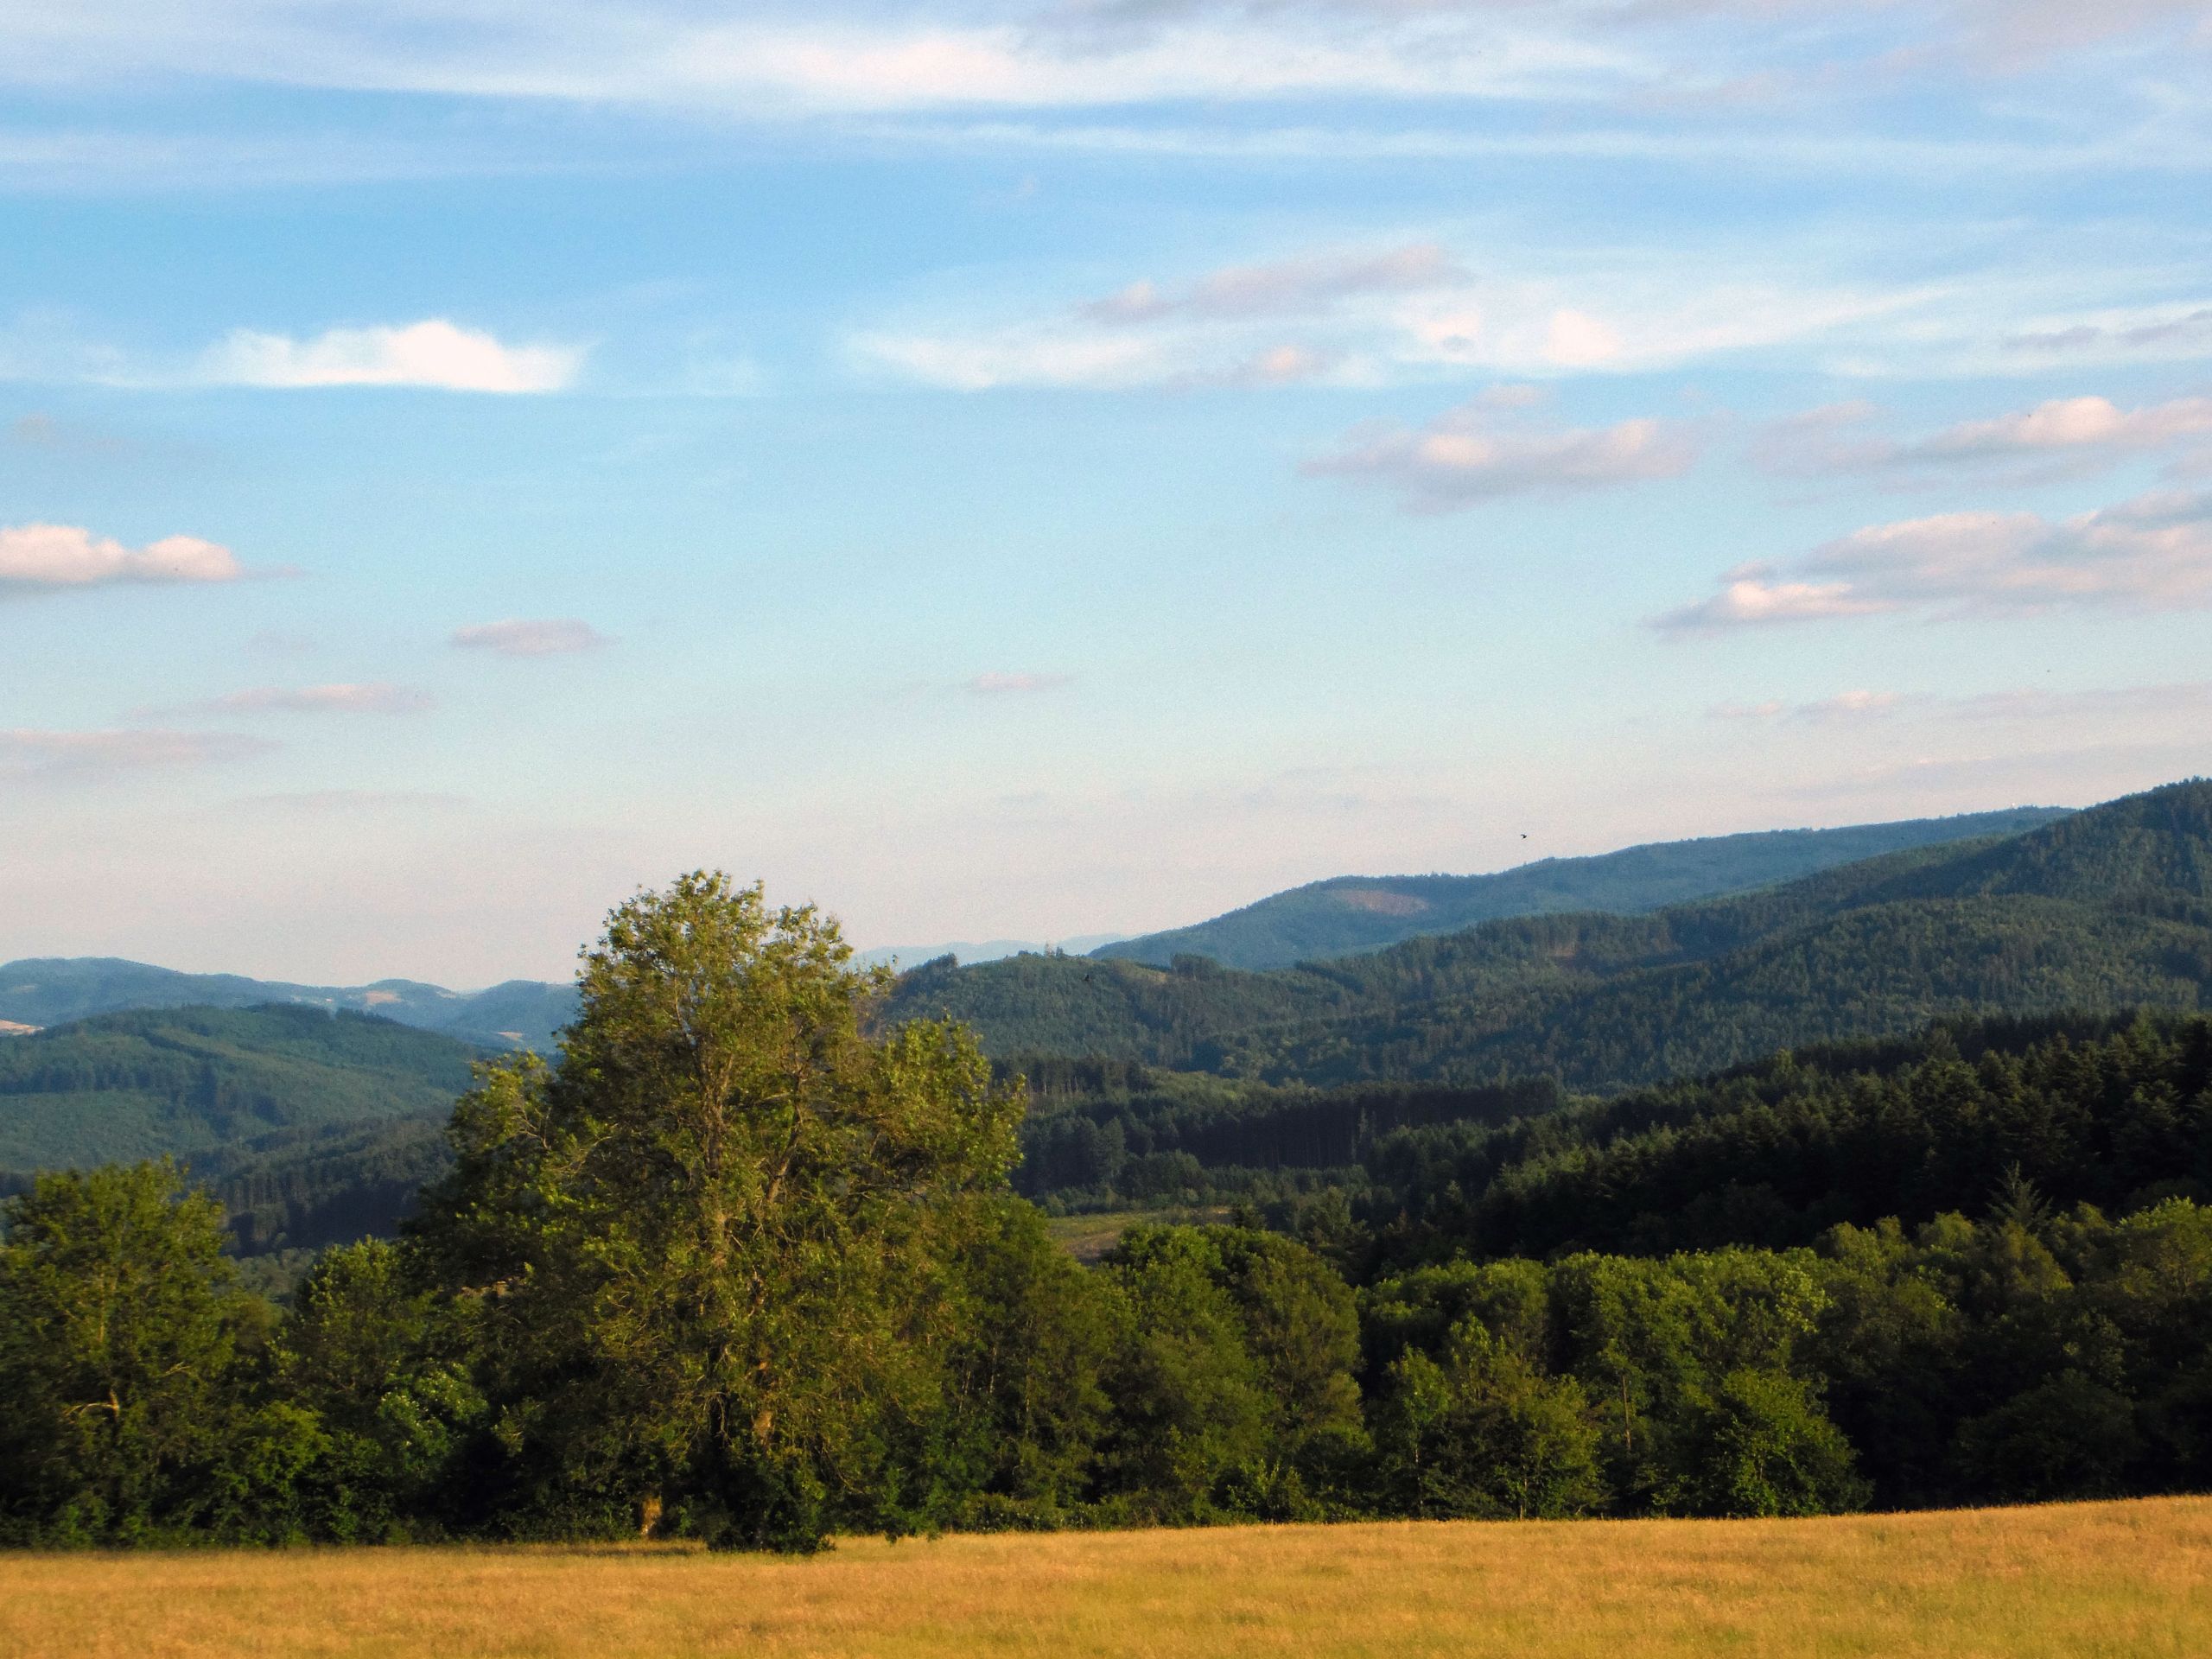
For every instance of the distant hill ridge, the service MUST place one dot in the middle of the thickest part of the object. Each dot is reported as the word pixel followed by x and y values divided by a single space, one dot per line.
pixel 2105 909
pixel 55 990
pixel 1351 914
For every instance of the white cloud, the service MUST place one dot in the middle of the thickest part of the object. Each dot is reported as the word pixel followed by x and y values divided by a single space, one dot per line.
pixel 432 354
pixel 69 555
pixel 372 697
pixel 538 637
pixel 2153 553
pixel 1751 595
pixel 1463 456
pixel 1001 685
pixel 28 753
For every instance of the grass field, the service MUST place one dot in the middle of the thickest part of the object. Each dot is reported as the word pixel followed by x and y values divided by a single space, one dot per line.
pixel 1087 1237
pixel 2130 1579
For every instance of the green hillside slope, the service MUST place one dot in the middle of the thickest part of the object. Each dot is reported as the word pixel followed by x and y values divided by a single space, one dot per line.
pixel 192 1082
pixel 1352 914
pixel 2108 908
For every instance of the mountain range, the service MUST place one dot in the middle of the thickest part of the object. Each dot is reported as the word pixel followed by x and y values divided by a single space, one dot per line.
pixel 2105 908
pixel 1351 914
pixel 54 990
pixel 315 1119
pixel 1337 918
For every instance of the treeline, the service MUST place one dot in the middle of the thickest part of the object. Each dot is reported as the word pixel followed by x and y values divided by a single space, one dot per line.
pixel 1198 1375
pixel 1099 1133
pixel 746 1267
pixel 2115 1112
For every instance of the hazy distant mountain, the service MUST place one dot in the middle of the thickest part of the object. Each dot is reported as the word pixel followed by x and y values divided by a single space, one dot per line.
pixel 913 955
pixel 1350 914
pixel 54 990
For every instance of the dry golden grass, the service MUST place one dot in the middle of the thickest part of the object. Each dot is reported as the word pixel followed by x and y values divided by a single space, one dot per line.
pixel 2130 1579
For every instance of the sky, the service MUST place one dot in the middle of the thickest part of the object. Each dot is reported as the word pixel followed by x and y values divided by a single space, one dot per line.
pixel 1042 468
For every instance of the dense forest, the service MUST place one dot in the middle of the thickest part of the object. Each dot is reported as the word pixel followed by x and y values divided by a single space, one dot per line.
pixel 1348 915
pixel 746 1265
pixel 2106 909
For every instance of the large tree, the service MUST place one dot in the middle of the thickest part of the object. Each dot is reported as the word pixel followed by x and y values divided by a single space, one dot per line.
pixel 708 1240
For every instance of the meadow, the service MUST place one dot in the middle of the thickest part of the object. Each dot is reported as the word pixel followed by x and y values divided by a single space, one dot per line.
pixel 2120 1579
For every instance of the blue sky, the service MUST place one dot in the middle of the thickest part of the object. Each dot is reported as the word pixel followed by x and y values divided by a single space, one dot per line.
pixel 1039 469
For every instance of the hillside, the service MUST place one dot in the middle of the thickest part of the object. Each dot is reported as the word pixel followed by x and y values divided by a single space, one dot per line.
pixel 54 990
pixel 1348 915
pixel 2105 909
pixel 207 1085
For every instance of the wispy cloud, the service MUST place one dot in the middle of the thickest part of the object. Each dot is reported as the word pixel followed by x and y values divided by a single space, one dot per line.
pixel 2187 331
pixel 69 555
pixel 1016 685
pixel 1835 438
pixel 434 353
pixel 2153 553
pixel 2024 703
pixel 1298 286
pixel 1465 456
pixel 531 637
pixel 1407 311
pixel 372 697
pixel 29 753
pixel 779 58
pixel 1844 705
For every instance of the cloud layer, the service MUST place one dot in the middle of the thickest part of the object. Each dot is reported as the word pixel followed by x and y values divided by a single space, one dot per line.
pixel 69 555
pixel 25 753
pixel 372 697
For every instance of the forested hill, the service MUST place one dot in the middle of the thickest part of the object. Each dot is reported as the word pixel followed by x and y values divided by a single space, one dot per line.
pixel 53 990
pixel 206 1084
pixel 1350 915
pixel 2105 909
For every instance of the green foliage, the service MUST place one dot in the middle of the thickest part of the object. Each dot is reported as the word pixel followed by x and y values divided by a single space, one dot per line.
pixel 381 1367
pixel 1484 1432
pixel 121 1339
